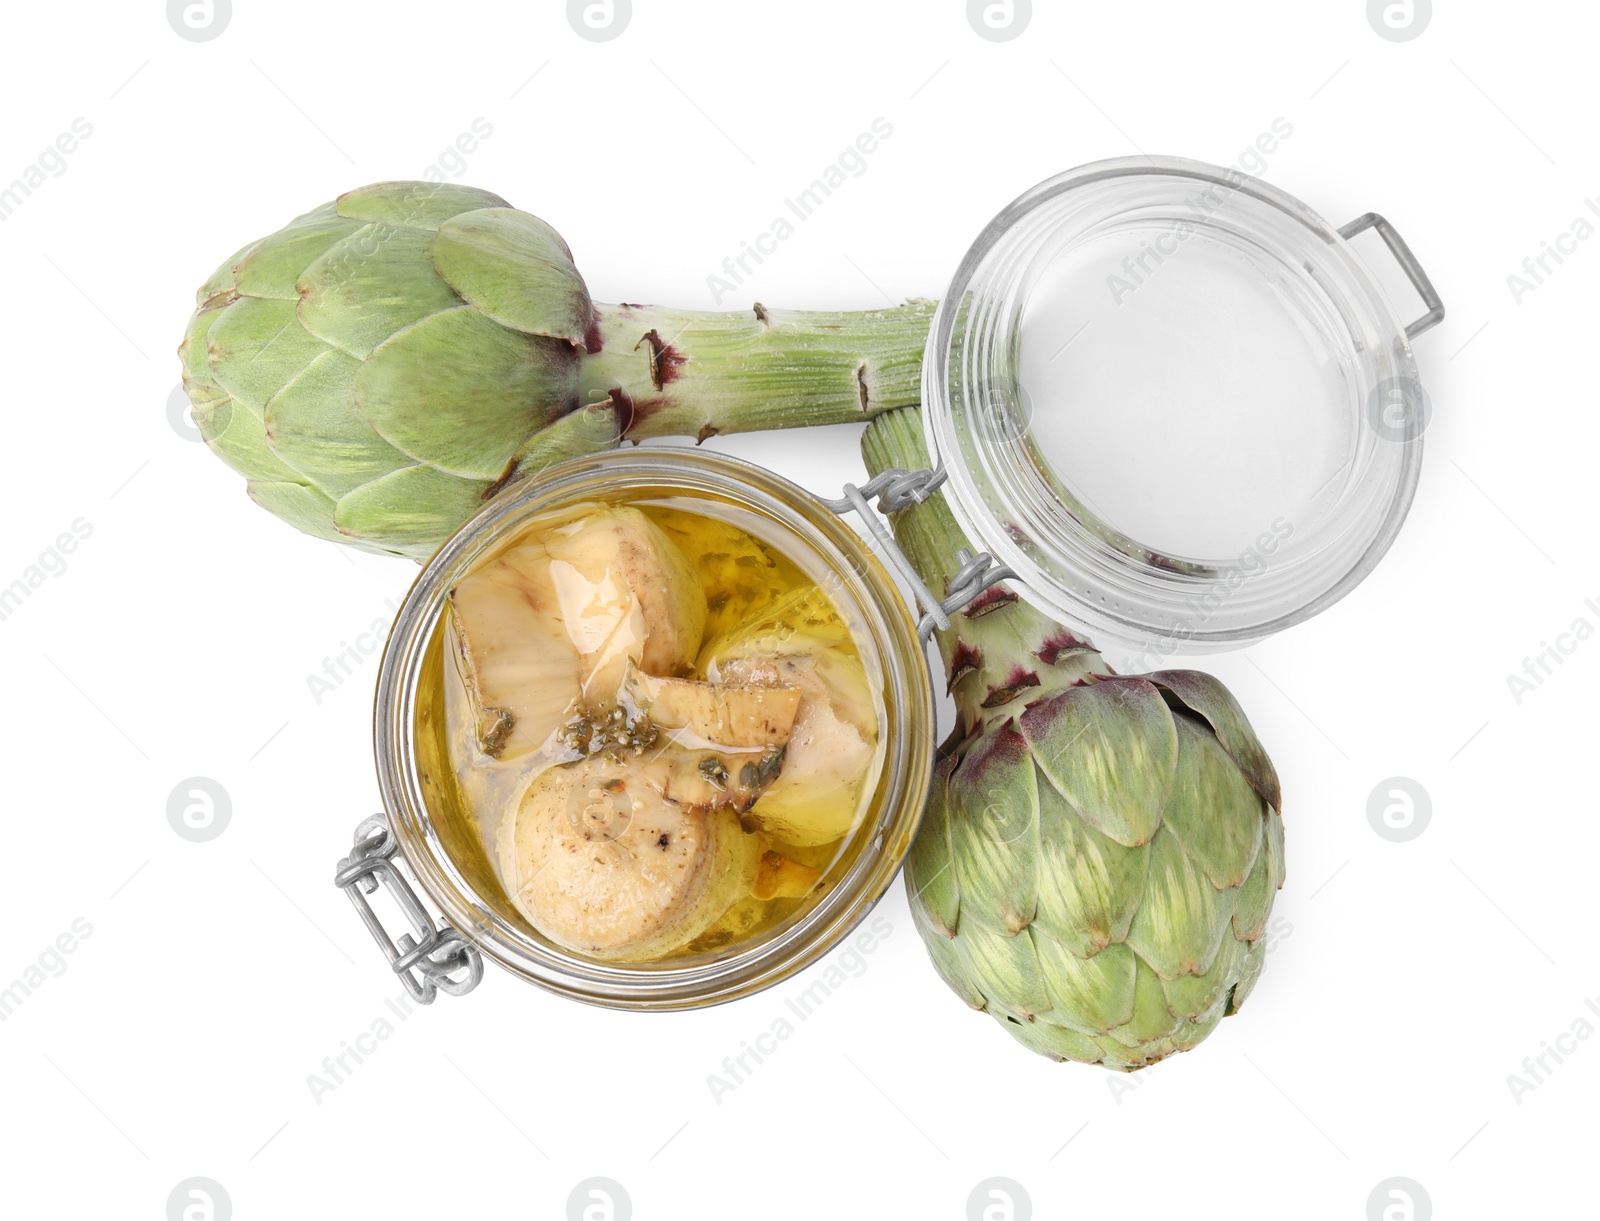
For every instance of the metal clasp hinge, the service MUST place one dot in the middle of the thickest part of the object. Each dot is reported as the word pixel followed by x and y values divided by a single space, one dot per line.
pixel 896 489
pixel 428 960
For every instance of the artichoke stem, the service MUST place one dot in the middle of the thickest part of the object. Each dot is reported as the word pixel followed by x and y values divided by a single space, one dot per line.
pixel 1000 654
pixel 697 374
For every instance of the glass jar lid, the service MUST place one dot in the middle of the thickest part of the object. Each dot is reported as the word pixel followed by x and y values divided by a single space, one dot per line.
pixel 1176 403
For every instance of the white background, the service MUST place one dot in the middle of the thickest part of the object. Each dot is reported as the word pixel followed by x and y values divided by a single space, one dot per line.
pixel 178 1041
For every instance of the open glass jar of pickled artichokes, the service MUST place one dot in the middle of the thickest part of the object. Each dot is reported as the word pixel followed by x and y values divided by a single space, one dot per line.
pixel 655 729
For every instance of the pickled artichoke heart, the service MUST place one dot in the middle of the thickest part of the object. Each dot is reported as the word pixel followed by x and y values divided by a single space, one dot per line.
pixel 519 666
pixel 383 364
pixel 602 863
pixel 816 798
pixel 627 595
pixel 557 619
pixel 1100 853
pixel 710 745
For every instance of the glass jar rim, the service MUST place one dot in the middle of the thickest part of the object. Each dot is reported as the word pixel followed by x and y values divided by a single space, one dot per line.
pixel 904 778
pixel 1078 569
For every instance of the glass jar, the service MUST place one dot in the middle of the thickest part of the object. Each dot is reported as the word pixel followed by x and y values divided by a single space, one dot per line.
pixel 1171 401
pixel 1174 401
pixel 448 856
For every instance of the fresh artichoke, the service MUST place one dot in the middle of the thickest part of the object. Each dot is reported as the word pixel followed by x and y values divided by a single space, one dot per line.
pixel 385 363
pixel 1100 854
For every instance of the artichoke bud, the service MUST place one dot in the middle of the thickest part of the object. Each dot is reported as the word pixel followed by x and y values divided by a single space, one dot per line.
pixel 379 365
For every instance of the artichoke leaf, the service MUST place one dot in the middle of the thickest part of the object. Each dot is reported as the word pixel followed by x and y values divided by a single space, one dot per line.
pixel 1205 695
pixel 1091 995
pixel 273 265
pixel 946 960
pixel 312 424
pixel 930 881
pixel 306 509
pixel 588 430
pixel 1213 809
pixel 463 393
pixel 1256 895
pixel 408 509
pixel 517 270
pixel 221 280
pixel 994 831
pixel 419 205
pixel 1183 918
pixel 1049 1039
pixel 1151 1021
pixel 193 352
pixel 1089 885
pixel 1248 974
pixel 1110 748
pixel 1194 996
pixel 239 438
pixel 1005 969
pixel 256 347
pixel 364 288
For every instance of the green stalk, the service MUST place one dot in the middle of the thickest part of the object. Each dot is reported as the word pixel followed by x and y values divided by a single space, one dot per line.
pixel 1000 654
pixel 693 373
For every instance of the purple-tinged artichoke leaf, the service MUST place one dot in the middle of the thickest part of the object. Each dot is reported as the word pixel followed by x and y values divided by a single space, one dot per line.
pixel 994 831
pixel 1213 809
pixel 1110 748
pixel 930 881
pixel 1205 695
